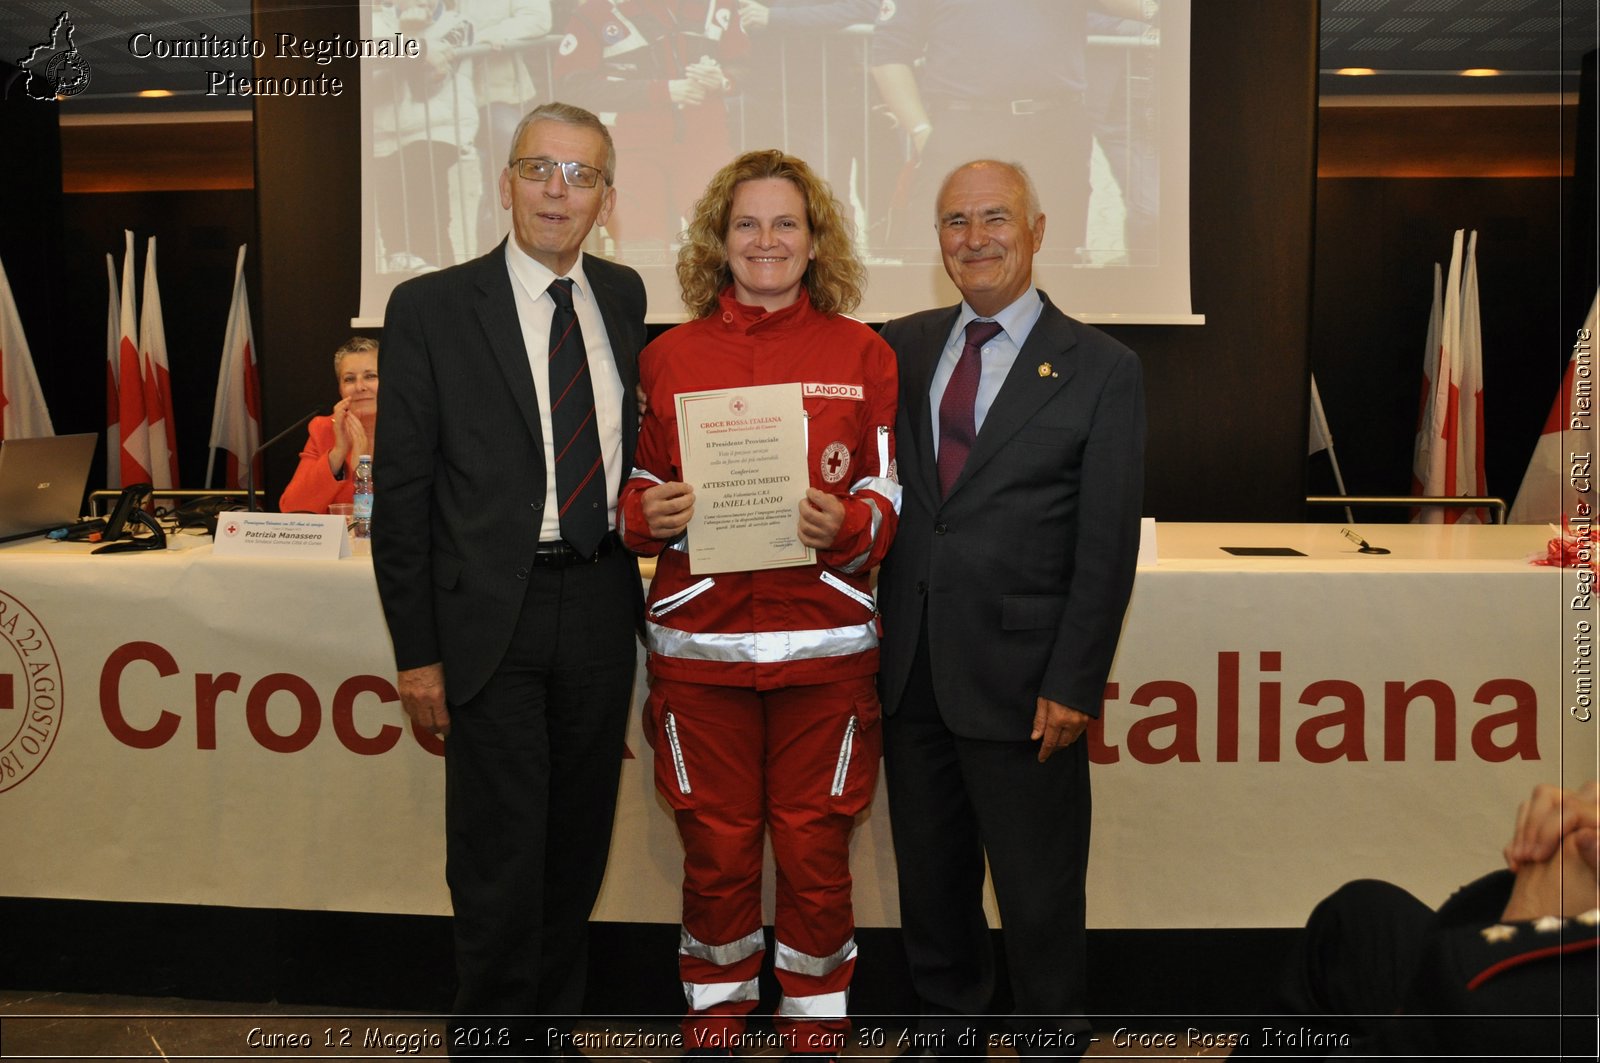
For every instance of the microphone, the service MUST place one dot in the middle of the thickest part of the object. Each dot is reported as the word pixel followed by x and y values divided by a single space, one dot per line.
pixel 250 466
pixel 1361 544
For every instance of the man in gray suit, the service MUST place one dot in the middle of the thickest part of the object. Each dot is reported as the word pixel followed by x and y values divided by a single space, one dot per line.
pixel 1021 436
pixel 511 605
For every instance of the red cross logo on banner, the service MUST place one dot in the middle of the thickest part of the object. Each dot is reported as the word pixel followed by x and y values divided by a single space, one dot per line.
pixel 30 693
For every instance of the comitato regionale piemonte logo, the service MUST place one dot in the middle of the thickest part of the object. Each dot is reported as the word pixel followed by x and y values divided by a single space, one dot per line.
pixel 55 68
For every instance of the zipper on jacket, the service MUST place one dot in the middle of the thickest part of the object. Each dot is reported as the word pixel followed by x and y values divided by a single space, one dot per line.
pixel 848 591
pixel 671 726
pixel 842 770
pixel 689 593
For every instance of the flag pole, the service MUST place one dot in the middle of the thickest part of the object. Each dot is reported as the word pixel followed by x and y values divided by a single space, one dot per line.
pixel 1319 425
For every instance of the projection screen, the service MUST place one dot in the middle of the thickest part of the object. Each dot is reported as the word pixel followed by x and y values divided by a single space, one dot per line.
pixel 685 85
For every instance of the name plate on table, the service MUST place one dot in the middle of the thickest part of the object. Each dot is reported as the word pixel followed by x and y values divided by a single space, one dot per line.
pixel 300 535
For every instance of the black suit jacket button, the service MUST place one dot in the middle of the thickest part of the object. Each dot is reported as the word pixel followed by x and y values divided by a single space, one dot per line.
pixel 922 586
pixel 522 573
pixel 537 506
pixel 940 528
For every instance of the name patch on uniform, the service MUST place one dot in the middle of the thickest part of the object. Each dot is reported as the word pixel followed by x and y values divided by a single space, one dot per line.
pixel 834 391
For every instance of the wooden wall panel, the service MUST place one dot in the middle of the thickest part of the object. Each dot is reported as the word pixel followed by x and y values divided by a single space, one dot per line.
pixel 157 156
pixel 1447 141
pixel 1228 399
pixel 308 172
pixel 1377 240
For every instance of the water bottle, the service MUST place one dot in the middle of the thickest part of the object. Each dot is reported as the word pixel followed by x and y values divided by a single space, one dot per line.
pixel 361 526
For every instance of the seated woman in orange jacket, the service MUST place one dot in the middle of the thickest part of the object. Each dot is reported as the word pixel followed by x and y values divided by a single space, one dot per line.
pixel 327 464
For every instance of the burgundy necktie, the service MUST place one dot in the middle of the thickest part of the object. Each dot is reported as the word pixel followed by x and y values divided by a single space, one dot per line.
pixel 580 473
pixel 957 425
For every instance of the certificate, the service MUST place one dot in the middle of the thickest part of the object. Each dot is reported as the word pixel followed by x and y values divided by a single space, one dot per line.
pixel 744 452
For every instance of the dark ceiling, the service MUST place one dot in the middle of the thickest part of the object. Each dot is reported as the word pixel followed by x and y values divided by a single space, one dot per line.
pixel 103 34
pixel 1417 47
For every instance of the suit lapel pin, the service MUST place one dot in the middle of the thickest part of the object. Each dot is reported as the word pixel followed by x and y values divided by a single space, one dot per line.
pixel 1046 369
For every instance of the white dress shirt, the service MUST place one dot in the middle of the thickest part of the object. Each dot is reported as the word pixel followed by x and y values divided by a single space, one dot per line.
pixel 999 354
pixel 530 280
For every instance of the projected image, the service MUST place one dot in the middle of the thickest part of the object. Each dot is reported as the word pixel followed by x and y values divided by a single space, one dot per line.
pixel 1020 82
pixel 882 97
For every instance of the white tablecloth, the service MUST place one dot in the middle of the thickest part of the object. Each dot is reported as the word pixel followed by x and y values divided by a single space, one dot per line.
pixel 185 728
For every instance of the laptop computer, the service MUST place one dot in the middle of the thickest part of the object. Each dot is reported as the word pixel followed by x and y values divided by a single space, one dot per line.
pixel 42 482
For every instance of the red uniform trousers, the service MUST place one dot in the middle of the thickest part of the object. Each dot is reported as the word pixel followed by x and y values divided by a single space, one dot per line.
pixel 736 763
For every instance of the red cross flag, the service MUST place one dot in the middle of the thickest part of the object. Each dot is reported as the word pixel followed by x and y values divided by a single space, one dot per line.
pixel 236 415
pixel 134 449
pixel 22 410
pixel 157 380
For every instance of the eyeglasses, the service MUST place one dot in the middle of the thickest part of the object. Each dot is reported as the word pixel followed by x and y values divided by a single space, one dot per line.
pixel 576 174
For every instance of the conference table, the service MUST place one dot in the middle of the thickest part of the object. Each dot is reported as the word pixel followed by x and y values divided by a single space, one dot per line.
pixel 187 728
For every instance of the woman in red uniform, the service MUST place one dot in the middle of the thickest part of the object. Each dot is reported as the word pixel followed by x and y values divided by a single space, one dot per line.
pixel 763 711
pixel 327 470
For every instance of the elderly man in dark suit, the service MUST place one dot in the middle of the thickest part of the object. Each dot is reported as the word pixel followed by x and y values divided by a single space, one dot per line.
pixel 1021 457
pixel 509 420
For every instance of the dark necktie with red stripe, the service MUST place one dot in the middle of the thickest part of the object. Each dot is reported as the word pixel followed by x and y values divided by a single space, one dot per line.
pixel 957 420
pixel 580 474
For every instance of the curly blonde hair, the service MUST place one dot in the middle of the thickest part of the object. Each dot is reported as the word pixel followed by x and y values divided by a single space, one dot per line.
pixel 833 280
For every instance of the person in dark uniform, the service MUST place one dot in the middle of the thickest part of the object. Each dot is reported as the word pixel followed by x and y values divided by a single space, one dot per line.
pixel 1121 98
pixel 657 71
pixel 807 69
pixel 1505 968
pixel 1002 81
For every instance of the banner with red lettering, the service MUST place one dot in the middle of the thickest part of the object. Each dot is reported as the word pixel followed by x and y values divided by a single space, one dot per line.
pixel 226 731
